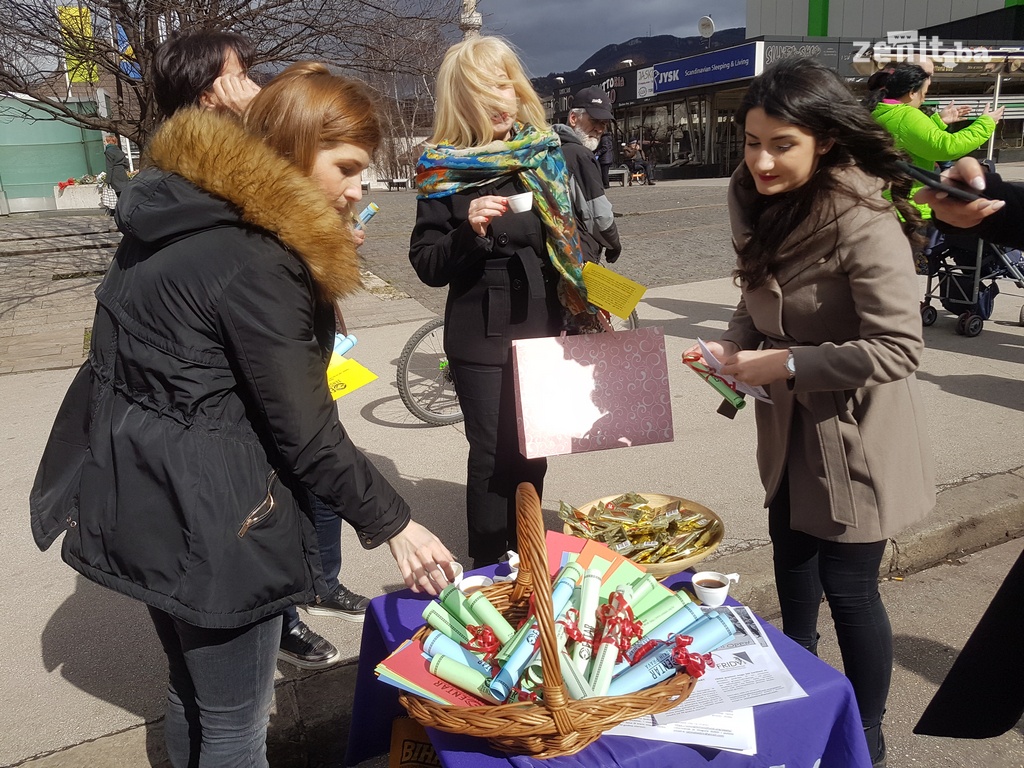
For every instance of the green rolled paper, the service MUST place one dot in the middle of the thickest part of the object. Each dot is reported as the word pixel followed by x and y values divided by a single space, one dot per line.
pixel 661 610
pixel 461 676
pixel 647 591
pixel 734 398
pixel 439 618
pixel 485 613
pixel 576 685
pixel 589 598
pixel 455 603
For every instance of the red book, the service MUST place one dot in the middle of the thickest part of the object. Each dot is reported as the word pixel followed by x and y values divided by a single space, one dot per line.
pixel 409 669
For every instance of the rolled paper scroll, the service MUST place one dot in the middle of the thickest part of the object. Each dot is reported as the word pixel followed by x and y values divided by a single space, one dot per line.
pixel 656 613
pixel 512 669
pixel 643 587
pixel 589 597
pixel 576 685
pixel 617 625
pixel 439 643
pixel 561 594
pixel 711 633
pixel 466 678
pixel 437 617
pixel 455 603
pixel 343 344
pixel 686 614
pixel 648 671
pixel 488 615
pixel 734 398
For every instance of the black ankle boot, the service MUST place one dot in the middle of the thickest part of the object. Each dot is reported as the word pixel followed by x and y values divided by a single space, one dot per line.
pixel 876 745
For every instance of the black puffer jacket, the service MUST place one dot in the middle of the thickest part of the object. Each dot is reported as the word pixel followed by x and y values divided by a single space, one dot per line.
pixel 203 409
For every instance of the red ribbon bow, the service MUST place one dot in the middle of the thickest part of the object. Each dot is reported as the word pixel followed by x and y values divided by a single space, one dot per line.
pixel 616 625
pixel 571 622
pixel 482 640
pixel 693 663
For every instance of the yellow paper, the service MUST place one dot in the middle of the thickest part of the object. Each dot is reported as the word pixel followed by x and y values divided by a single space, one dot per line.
pixel 345 375
pixel 610 290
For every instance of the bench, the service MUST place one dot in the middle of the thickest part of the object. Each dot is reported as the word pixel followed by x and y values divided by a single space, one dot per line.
pixel 617 174
pixel 397 183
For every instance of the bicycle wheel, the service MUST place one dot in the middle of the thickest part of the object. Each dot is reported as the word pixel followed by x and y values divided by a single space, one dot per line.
pixel 631 323
pixel 424 378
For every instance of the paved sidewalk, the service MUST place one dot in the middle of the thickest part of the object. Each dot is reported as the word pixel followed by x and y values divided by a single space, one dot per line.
pixel 83 674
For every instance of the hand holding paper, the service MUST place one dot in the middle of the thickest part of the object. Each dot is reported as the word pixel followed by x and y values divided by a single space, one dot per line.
pixel 710 370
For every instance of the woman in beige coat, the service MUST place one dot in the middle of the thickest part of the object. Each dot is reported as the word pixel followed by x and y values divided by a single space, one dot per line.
pixel 828 322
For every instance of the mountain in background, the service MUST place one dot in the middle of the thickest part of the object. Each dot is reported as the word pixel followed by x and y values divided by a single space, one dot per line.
pixel 644 51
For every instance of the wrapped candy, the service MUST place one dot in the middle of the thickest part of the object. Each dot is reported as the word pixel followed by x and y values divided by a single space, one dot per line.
pixel 632 527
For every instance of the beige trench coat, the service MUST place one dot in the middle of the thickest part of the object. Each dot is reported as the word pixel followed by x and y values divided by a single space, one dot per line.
pixel 849 428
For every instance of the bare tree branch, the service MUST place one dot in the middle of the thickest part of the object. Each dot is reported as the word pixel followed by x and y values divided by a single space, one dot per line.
pixel 390 43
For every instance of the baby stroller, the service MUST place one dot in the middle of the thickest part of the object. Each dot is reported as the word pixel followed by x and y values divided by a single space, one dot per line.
pixel 964 279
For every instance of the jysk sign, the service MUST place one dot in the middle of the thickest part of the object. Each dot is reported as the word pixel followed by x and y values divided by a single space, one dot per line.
pixel 743 61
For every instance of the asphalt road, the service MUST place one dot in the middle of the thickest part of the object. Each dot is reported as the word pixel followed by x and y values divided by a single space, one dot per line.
pixel 671 233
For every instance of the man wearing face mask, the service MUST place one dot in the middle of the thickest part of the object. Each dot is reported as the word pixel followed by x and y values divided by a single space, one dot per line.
pixel 588 119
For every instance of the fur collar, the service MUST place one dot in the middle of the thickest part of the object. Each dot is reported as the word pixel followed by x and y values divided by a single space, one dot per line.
pixel 216 154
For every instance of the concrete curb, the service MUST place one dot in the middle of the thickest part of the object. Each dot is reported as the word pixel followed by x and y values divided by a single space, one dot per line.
pixel 311 728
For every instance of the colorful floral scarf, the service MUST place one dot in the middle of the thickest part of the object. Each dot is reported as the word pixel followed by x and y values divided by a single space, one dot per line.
pixel 537 157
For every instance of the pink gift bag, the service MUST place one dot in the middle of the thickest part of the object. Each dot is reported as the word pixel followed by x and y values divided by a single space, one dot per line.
pixel 591 392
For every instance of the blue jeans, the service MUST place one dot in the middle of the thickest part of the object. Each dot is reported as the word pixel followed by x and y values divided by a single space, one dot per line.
pixel 847 574
pixel 219 693
pixel 328 537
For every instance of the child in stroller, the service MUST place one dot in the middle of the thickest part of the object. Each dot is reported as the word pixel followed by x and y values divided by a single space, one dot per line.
pixel 965 281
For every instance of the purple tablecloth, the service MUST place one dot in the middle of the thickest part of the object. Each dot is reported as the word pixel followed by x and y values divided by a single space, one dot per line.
pixel 823 725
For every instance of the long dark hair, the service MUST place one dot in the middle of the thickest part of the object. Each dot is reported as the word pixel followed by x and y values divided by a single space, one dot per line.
pixel 894 83
pixel 802 92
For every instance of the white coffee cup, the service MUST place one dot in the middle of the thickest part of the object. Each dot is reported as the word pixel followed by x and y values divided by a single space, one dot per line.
pixel 712 587
pixel 471 584
pixel 521 203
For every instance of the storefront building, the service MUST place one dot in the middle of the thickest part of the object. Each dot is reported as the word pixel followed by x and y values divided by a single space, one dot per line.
pixel 682 110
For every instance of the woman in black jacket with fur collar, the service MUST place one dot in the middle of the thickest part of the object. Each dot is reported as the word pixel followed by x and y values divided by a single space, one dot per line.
pixel 183 457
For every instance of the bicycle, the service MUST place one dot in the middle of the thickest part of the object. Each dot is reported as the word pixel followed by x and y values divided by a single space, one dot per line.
pixel 425 379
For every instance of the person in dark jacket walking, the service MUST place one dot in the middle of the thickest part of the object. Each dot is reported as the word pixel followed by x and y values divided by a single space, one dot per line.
pixel 182 460
pixel 605 155
pixel 505 271
pixel 588 122
pixel 116 164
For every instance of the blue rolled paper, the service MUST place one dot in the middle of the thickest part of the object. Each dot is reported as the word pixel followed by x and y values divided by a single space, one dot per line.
pixel 343 344
pixel 710 632
pixel 439 643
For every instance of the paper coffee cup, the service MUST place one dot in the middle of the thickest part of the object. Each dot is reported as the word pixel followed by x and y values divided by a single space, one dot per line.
pixel 521 203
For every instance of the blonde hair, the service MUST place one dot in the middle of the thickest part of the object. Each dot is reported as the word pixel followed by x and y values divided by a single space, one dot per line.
pixel 306 108
pixel 465 96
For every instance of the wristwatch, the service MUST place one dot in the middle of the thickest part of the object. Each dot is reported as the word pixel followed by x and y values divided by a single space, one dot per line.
pixel 790 366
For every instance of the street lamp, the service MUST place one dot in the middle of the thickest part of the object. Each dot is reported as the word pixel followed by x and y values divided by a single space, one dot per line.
pixel 627 62
pixel 591 72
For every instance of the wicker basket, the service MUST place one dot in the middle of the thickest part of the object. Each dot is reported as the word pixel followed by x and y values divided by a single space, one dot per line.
pixel 558 725
pixel 662 571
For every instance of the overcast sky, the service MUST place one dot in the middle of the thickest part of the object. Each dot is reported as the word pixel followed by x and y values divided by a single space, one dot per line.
pixel 559 35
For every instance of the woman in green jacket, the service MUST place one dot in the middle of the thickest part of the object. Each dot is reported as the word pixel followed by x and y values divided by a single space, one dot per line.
pixel 895 104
